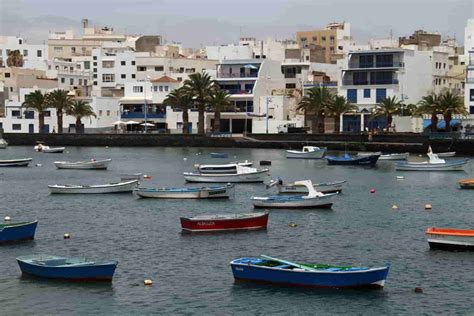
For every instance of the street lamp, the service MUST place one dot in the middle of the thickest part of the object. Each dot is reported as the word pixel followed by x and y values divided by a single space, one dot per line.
pixel 146 105
pixel 266 82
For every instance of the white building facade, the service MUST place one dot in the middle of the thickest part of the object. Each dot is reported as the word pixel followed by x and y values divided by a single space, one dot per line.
pixel 35 56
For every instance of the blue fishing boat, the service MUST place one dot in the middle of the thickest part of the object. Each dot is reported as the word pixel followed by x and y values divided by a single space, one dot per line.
pixel 219 155
pixel 71 269
pixel 347 160
pixel 17 231
pixel 273 270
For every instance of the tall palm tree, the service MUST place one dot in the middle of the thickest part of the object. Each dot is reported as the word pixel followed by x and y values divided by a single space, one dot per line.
pixel 219 100
pixel 61 101
pixel 315 103
pixel 36 101
pixel 182 99
pixel 199 85
pixel 429 104
pixel 15 59
pixel 451 103
pixel 80 109
pixel 338 106
pixel 388 108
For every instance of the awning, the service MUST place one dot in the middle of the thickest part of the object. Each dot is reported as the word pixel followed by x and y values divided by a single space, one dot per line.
pixel 250 66
pixel 134 100
pixel 441 123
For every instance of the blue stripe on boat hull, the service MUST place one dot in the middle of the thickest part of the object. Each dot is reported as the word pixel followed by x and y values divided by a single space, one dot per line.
pixel 18 233
pixel 371 278
pixel 86 273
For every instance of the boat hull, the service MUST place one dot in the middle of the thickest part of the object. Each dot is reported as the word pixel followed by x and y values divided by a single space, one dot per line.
pixel 226 169
pixel 374 277
pixel 94 189
pixel 84 165
pixel 369 161
pixel 321 187
pixel 219 155
pixel 221 225
pixel 447 154
pixel 403 156
pixel 448 166
pixel 18 232
pixel 223 192
pixel 16 162
pixel 58 150
pixel 102 272
pixel 317 202
pixel 446 238
pixel 294 154
pixel 254 177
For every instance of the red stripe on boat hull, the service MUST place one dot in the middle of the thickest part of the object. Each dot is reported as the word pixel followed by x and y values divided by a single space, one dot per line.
pixel 213 225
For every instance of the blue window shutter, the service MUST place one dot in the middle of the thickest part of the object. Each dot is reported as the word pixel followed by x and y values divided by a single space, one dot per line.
pixel 352 95
pixel 366 93
pixel 380 94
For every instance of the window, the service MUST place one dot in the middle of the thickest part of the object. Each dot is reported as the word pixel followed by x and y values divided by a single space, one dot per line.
pixel 133 63
pixel 385 60
pixel 155 88
pixel 57 50
pixel 108 78
pixel 47 113
pixel 141 68
pixel 471 95
pixel 95 83
pixel 87 65
pixel 73 50
pixel 94 57
pixel 94 76
pixel 380 95
pixel 366 93
pixel 179 79
pixel 63 80
pixel 323 38
pixel 315 38
pixel 71 81
pixel 161 88
pixel 25 53
pixel 352 95
pixel 166 88
pixel 94 64
pixel 133 76
pixel 16 127
pixel 307 58
pixel 108 112
pixel 94 69
pixel 471 110
pixel 331 38
pixel 80 82
pixel 16 113
pixel 29 114
pixel 137 89
pixel 123 63
pixel 291 86
pixel 331 49
pixel 108 64
pixel 7 75
pixel 85 82
pixel 444 65
pixel 159 68
pixel 436 65
pixel 303 39
pixel 366 61
pixel 100 112
pixel 123 76
pixel 39 53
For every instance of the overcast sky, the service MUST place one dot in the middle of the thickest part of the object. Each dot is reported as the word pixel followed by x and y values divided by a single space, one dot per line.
pixel 197 23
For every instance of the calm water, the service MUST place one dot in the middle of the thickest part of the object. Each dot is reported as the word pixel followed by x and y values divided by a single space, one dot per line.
pixel 191 273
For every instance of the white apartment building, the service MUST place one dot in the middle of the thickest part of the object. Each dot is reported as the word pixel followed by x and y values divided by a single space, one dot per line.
pixel 370 76
pixel 74 76
pixel 35 56
pixel 469 88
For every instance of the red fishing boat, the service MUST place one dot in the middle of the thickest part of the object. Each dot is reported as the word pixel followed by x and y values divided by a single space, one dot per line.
pixel 224 222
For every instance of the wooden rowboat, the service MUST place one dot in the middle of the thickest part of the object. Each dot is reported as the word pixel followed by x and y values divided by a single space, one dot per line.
pixel 227 222
pixel 120 187
pixel 450 238
pixel 89 164
pixel 284 272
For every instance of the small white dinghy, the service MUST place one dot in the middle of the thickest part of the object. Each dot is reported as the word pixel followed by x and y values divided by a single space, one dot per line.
pixel 88 164
pixel 49 150
pixel 24 162
pixel 243 175
pixel 326 187
pixel 3 143
pixel 210 192
pixel 314 199
pixel 433 164
pixel 224 168
pixel 121 187
pixel 308 152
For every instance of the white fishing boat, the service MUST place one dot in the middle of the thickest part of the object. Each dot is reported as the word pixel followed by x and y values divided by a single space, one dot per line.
pixel 210 192
pixel 24 162
pixel 327 187
pixel 433 164
pixel 223 168
pixel 314 199
pixel 3 143
pixel 396 156
pixel 308 152
pixel 447 154
pixel 243 175
pixel 49 150
pixel 88 164
pixel 120 187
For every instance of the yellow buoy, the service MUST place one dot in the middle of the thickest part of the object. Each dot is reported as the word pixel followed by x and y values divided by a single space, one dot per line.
pixel 293 225
pixel 394 207
pixel 148 282
pixel 428 206
pixel 7 219
pixel 67 236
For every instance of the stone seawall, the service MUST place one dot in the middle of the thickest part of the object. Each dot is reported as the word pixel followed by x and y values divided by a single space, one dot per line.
pixel 384 143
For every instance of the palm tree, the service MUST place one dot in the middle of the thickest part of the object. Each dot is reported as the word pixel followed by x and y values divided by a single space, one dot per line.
pixel 80 109
pixel 36 101
pixel 449 104
pixel 219 100
pixel 182 99
pixel 429 104
pixel 61 101
pixel 316 103
pixel 338 106
pixel 198 86
pixel 15 59
pixel 388 108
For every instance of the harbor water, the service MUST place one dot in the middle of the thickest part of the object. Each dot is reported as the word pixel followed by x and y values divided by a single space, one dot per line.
pixel 191 272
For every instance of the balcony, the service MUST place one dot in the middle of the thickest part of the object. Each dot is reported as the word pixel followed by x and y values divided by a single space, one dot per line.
pixel 312 84
pixel 141 115
pixel 350 82
pixel 359 65
pixel 237 75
